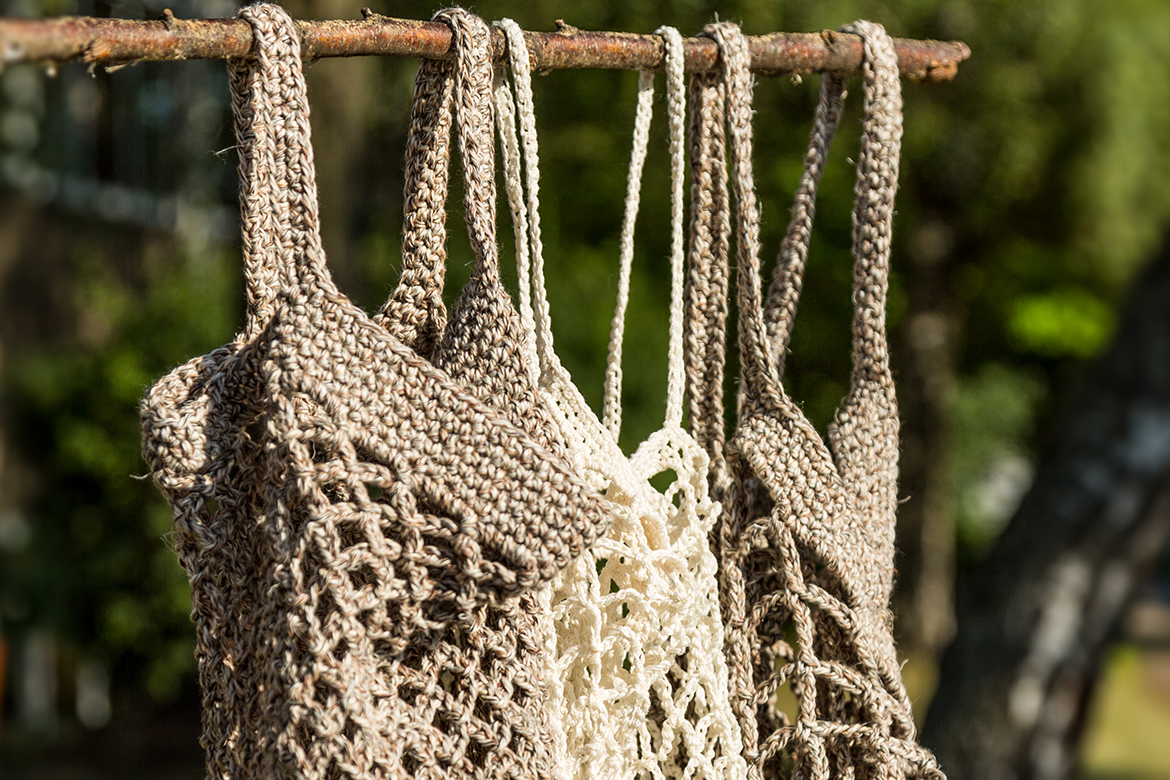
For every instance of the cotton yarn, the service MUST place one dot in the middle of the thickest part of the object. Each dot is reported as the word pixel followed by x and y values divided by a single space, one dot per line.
pixel 638 678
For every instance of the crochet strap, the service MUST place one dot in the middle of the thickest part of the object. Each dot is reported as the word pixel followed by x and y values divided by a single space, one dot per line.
pixel 415 313
pixel 676 118
pixel 864 436
pixel 473 95
pixel 525 216
pixel 761 381
pixel 706 291
pixel 873 212
pixel 278 180
pixel 780 306
pixel 643 113
pixel 534 307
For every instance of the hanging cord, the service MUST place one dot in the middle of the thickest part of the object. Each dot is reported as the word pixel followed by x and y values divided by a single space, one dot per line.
pixel 784 292
pixel 676 117
pixel 506 108
pixel 414 312
pixel 612 403
pixel 534 312
pixel 705 329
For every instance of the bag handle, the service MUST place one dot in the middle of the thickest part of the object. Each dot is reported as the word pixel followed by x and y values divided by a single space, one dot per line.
pixel 612 393
pixel 534 310
pixel 709 269
pixel 784 292
pixel 414 312
pixel 676 119
pixel 473 94
pixel 873 211
pixel 522 151
pixel 761 381
pixel 279 195
pixel 676 110
pixel 710 229
pixel 864 435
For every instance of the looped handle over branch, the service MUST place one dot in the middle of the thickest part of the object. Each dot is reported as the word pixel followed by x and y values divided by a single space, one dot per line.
pixel 873 211
pixel 279 190
pixel 783 295
pixel 415 312
pixel 761 382
pixel 676 120
pixel 708 272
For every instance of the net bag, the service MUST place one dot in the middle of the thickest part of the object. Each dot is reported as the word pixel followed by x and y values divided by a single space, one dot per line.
pixel 348 513
pixel 806 549
pixel 483 345
pixel 638 679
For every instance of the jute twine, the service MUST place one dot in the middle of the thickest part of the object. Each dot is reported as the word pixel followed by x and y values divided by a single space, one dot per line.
pixel 359 528
pixel 806 550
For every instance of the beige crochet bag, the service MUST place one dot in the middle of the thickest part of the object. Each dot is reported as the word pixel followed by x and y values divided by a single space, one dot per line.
pixel 807 548
pixel 348 514
pixel 638 676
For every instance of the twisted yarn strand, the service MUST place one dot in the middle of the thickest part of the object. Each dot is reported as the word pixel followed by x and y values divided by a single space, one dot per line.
pixel 415 313
pixel 676 117
pixel 505 109
pixel 780 305
pixel 612 393
pixel 705 325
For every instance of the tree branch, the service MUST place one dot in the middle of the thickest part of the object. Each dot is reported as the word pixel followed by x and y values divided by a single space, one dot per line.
pixel 118 41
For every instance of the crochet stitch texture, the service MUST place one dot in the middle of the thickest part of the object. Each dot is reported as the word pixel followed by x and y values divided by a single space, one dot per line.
pixel 358 527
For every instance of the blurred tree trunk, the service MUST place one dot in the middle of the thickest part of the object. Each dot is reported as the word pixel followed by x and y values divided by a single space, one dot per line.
pixel 1035 617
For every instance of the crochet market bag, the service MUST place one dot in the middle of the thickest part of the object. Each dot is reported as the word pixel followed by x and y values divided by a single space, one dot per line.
pixel 483 345
pixel 807 548
pixel 639 681
pixel 345 510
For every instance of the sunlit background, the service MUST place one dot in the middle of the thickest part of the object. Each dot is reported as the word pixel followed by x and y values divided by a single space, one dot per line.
pixel 1035 190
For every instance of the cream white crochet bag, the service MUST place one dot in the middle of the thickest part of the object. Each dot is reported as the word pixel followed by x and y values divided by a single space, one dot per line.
pixel 639 683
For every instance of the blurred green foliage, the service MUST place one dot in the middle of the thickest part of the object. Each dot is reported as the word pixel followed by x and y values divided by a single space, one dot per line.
pixel 1034 186
pixel 96 572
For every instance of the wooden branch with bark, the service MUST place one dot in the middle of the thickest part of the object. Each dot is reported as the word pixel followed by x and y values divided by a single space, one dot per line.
pixel 111 42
